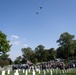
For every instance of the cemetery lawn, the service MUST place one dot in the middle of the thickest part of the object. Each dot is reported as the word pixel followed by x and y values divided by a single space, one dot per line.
pixel 71 72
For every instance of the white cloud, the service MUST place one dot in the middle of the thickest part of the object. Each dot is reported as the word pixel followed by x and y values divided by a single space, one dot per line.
pixel 24 39
pixel 25 45
pixel 14 36
pixel 16 43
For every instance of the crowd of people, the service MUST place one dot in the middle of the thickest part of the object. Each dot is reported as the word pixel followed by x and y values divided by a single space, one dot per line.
pixel 46 65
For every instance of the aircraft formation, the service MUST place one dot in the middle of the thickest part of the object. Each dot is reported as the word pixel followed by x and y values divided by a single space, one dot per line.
pixel 40 9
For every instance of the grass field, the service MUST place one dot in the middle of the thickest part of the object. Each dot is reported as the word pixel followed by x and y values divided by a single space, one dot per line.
pixel 70 72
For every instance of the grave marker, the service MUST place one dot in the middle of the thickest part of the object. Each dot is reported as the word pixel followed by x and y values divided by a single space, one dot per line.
pixel 3 72
pixel 33 72
pixel 44 72
pixel 51 72
pixel 26 72
pixel 23 70
pixel 8 72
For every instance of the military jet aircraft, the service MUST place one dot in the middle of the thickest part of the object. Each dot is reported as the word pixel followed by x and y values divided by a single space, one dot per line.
pixel 41 7
pixel 37 13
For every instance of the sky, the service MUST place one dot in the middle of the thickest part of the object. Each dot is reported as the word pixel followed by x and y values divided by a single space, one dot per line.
pixel 25 28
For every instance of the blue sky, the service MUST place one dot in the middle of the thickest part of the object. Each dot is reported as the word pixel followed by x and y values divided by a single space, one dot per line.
pixel 25 28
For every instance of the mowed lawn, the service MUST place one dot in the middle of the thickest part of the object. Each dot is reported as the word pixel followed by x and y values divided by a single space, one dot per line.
pixel 70 72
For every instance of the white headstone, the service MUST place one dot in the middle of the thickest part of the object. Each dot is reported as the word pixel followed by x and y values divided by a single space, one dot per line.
pixel 33 72
pixel 23 71
pixel 3 72
pixel 26 73
pixel 16 73
pixel 44 72
pixel 50 72
pixel 39 71
pixel 62 71
pixel 8 72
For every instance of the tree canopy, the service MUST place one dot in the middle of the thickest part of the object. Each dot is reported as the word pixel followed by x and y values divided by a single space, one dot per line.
pixel 4 47
pixel 67 44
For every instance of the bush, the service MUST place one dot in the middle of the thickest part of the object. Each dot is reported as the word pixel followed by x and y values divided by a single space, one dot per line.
pixel 4 62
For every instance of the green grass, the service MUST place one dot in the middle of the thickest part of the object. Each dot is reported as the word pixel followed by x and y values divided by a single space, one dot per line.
pixel 70 72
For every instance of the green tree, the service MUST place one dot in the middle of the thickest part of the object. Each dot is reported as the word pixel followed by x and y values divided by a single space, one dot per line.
pixel 39 52
pixel 52 54
pixel 74 49
pixel 24 61
pixel 66 44
pixel 34 60
pixel 27 53
pixel 45 55
pixel 18 60
pixel 4 44
pixel 10 61
pixel 60 53
pixel 4 47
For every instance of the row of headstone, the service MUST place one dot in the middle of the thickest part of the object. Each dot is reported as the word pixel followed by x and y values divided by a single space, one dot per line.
pixel 3 72
pixel 26 72
pixel 58 71
pixel 38 70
